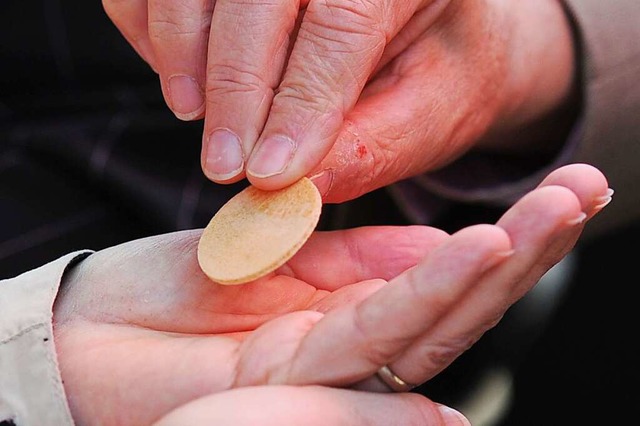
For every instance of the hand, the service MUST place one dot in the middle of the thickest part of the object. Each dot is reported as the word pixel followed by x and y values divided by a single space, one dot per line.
pixel 311 405
pixel 380 90
pixel 140 330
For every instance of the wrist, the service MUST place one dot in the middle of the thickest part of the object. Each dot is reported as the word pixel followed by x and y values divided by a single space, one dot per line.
pixel 543 89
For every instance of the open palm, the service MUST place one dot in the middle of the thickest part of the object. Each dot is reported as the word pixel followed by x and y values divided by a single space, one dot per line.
pixel 140 330
pixel 145 313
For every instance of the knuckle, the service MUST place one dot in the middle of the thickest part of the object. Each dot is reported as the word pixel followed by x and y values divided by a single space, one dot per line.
pixel 376 354
pixel 235 78
pixel 441 352
pixel 172 21
pixel 358 17
pixel 308 97
pixel 439 356
pixel 378 348
pixel 163 30
pixel 339 31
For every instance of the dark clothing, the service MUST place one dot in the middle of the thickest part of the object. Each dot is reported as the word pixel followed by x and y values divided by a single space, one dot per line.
pixel 90 157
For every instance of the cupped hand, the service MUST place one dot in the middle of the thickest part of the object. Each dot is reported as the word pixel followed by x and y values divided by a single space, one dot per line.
pixel 140 330
pixel 380 90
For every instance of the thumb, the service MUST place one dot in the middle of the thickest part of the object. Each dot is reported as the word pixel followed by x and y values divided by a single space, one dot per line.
pixel 384 139
pixel 404 125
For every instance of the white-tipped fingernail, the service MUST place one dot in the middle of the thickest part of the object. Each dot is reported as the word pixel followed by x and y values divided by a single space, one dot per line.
pixel 577 220
pixel 601 202
pixel 452 417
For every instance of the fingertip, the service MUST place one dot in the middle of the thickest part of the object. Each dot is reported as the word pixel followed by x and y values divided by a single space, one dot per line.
pixel 452 417
pixel 603 200
pixel 587 182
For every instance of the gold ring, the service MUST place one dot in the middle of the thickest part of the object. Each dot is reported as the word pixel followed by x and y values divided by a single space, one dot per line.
pixel 394 382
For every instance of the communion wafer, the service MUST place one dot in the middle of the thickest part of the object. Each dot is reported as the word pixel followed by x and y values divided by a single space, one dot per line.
pixel 257 231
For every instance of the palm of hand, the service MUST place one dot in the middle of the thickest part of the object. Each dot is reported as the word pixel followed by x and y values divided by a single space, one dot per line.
pixel 139 330
pixel 149 323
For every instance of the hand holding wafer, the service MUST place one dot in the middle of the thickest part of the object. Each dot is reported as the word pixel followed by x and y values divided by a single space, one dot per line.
pixel 367 92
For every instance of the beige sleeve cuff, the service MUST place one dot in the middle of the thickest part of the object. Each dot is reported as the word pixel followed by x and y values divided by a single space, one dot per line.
pixel 31 391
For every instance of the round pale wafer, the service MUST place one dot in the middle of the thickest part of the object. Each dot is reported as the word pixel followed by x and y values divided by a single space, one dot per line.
pixel 257 231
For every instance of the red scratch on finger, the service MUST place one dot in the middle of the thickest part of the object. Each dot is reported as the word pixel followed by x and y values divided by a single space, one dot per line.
pixel 361 150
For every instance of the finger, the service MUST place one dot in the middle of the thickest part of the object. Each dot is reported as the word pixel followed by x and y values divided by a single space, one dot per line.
pixel 248 47
pixel 128 359
pixel 416 115
pixel 329 260
pixel 539 226
pixel 413 30
pixel 130 17
pixel 183 300
pixel 387 137
pixel 179 32
pixel 337 48
pixel 357 340
pixel 543 227
pixel 313 405
pixel 587 182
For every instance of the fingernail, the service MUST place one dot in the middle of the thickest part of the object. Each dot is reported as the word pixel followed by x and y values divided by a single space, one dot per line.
pixel 452 417
pixel 272 157
pixel 577 220
pixel 224 158
pixel 323 181
pixel 187 101
pixel 601 202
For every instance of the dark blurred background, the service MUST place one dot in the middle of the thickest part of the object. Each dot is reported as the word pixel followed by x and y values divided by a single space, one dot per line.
pixel 91 157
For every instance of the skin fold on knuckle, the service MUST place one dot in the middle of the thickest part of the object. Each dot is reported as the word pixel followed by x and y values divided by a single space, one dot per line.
pixel 223 79
pixel 312 97
pixel 344 35
pixel 374 344
pixel 439 355
pixel 339 17
pixel 174 22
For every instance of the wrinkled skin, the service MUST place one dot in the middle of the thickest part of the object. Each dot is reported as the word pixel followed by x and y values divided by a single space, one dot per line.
pixel 357 94
pixel 140 331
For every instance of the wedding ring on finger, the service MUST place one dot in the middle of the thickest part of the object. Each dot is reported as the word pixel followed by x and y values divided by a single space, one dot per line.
pixel 392 380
